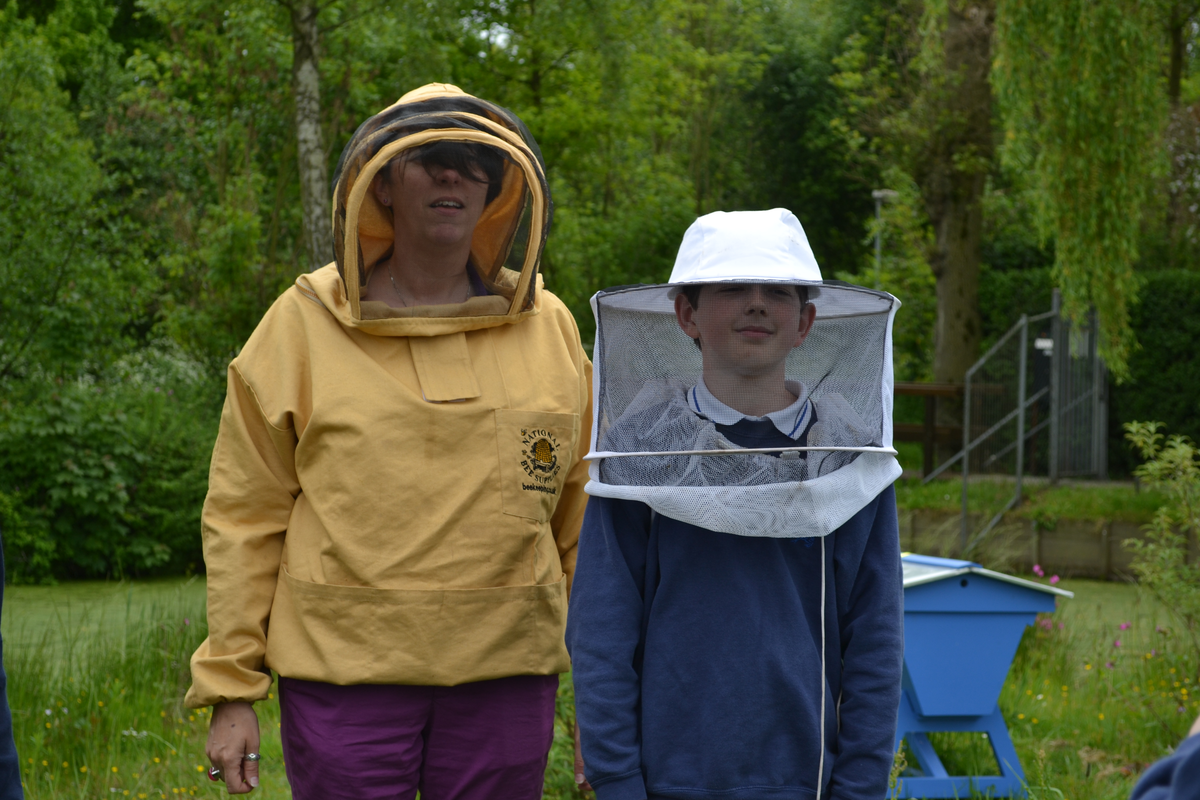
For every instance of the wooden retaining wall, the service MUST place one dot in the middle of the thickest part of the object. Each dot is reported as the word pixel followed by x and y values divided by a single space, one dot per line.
pixel 1071 548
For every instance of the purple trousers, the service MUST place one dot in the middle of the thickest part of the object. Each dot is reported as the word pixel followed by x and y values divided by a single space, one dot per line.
pixel 479 740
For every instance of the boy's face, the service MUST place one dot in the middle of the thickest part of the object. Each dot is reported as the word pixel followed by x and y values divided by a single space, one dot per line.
pixel 745 329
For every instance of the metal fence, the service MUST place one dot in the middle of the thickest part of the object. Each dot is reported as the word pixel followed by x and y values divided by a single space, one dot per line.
pixel 1079 381
pixel 1035 404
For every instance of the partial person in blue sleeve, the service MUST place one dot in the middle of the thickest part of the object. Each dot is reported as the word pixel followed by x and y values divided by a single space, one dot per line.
pixel 1176 777
pixel 10 765
pixel 735 625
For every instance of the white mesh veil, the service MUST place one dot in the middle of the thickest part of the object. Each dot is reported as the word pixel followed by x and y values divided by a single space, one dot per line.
pixel 650 444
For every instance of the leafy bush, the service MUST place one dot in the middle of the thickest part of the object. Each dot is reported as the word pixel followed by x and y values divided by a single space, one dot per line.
pixel 26 536
pixel 1164 371
pixel 108 476
pixel 1161 561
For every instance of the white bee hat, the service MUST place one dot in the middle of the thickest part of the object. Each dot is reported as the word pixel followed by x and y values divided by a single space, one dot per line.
pixel 746 247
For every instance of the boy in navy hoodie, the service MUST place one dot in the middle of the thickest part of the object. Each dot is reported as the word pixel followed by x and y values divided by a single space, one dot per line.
pixel 710 665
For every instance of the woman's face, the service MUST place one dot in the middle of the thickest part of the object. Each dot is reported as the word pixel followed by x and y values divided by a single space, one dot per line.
pixel 433 208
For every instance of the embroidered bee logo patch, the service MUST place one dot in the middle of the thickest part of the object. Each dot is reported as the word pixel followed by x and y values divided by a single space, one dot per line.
pixel 539 459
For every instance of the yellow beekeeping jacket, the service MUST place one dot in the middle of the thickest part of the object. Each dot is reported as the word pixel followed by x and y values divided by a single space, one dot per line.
pixel 396 494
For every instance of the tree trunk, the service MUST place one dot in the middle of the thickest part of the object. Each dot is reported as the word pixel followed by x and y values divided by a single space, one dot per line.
pixel 1175 28
pixel 952 182
pixel 314 174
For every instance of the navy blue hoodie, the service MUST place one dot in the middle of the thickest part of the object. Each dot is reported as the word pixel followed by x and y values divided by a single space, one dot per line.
pixel 1176 777
pixel 696 657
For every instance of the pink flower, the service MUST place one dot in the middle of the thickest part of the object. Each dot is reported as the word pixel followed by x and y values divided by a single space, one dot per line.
pixel 1037 570
pixel 1053 579
pixel 1116 642
pixel 1046 625
pixel 1109 665
pixel 186 621
pixel 1125 626
pixel 1061 626
pixel 1153 653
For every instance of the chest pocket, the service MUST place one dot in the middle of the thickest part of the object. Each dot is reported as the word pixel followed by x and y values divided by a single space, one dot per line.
pixel 537 451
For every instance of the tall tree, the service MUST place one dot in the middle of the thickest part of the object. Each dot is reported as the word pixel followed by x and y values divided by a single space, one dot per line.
pixel 952 173
pixel 311 155
pixel 1080 85
pixel 915 80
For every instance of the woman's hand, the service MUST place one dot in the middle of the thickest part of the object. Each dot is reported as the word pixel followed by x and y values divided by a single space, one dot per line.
pixel 232 734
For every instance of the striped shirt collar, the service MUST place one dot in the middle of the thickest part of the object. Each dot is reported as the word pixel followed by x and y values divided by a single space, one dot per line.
pixel 791 421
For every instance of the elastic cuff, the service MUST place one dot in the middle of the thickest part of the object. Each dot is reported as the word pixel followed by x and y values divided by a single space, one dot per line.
pixel 627 787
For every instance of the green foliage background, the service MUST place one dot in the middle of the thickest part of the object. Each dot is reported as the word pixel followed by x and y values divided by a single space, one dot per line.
pixel 149 204
pixel 150 213
pixel 111 473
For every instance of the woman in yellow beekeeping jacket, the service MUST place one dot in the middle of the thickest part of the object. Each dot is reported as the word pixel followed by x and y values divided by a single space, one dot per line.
pixel 396 490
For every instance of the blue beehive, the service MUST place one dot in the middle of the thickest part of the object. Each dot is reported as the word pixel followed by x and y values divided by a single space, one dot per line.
pixel 962 625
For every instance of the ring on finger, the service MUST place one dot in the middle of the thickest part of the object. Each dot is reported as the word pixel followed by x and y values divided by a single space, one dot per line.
pixel 215 774
pixel 252 757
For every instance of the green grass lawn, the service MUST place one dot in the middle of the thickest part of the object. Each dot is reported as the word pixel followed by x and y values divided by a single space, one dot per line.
pixel 97 674
pixel 58 617
pixel 1040 500
pixel 96 678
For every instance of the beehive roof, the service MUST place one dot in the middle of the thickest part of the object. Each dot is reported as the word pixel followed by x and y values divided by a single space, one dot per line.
pixel 919 570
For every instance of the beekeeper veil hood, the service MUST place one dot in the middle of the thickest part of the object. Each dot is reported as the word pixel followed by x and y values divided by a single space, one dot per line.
pixel 657 436
pixel 507 243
